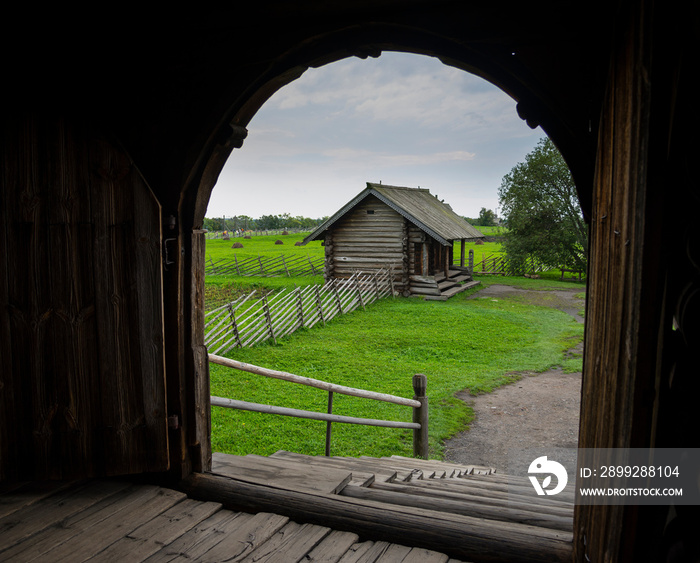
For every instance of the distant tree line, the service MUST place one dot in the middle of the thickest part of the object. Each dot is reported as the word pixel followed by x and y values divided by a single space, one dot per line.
pixel 264 223
pixel 486 218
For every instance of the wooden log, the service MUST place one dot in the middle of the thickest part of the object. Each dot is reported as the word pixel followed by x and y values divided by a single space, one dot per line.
pixel 425 290
pixel 423 279
pixel 463 537
pixel 235 364
pixel 311 415
pixel 464 506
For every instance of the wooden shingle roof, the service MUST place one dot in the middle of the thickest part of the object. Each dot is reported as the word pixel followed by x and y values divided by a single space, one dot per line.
pixel 418 205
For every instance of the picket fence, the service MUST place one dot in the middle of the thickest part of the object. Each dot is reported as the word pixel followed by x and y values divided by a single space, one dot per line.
pixel 272 316
pixel 269 266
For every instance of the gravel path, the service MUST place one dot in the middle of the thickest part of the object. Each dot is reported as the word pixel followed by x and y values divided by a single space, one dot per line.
pixel 539 410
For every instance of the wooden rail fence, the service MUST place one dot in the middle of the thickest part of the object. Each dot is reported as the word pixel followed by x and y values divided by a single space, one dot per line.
pixel 500 264
pixel 238 233
pixel 251 319
pixel 269 266
pixel 419 403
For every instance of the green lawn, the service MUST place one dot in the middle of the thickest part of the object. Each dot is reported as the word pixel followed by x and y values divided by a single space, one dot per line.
pixel 459 344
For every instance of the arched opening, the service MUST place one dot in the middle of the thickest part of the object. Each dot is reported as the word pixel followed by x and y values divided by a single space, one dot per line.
pixel 332 187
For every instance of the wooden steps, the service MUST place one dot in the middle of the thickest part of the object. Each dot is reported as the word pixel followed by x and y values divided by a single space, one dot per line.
pixel 437 499
pixel 440 287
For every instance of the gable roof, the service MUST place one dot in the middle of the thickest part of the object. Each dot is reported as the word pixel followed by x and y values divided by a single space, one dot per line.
pixel 418 205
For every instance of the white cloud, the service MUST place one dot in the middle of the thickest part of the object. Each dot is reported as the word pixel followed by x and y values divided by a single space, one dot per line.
pixel 403 119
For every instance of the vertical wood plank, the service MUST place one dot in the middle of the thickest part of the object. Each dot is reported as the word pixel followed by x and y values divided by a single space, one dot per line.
pixel 200 433
pixel 81 319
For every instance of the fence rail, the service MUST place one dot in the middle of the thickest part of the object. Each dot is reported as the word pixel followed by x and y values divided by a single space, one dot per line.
pixel 419 403
pixel 242 233
pixel 250 320
pixel 269 266
pixel 500 264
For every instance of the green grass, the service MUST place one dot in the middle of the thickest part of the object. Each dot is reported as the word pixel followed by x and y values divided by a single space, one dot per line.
pixel 474 344
pixel 264 246
pixel 224 288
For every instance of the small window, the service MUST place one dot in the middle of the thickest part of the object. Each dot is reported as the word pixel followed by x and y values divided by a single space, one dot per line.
pixel 370 212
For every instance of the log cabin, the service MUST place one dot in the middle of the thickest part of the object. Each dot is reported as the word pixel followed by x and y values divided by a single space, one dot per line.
pixel 406 230
pixel 115 127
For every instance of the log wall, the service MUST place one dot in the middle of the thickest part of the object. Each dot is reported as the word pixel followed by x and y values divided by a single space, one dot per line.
pixel 370 237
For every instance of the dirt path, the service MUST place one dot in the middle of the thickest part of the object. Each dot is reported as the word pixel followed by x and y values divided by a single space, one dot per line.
pixel 539 410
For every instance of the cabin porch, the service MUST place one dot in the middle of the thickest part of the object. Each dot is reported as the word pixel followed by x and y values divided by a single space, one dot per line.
pixel 442 285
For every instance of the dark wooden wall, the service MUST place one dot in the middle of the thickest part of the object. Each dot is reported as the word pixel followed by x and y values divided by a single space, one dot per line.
pixel 639 389
pixel 82 383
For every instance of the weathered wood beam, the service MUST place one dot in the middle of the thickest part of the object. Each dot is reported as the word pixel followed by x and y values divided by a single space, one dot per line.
pixel 463 537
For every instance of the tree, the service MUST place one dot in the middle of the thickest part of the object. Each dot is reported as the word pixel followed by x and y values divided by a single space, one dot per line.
pixel 541 210
pixel 487 218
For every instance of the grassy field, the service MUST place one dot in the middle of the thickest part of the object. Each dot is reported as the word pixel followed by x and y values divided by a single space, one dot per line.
pixel 263 245
pixel 460 344
pixel 490 231
pixel 220 288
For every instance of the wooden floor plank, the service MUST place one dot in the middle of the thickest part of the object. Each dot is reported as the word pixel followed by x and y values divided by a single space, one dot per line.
pixel 35 517
pixel 365 552
pixel 289 545
pixel 165 528
pixel 381 473
pixel 395 553
pixel 15 496
pixel 332 547
pixel 242 537
pixel 38 545
pixel 100 536
pixel 420 555
pixel 193 545
pixel 288 473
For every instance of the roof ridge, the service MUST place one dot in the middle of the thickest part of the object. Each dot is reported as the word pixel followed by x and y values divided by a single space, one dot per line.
pixel 398 187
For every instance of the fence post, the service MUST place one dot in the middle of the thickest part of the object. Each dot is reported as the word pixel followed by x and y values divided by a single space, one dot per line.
pixel 300 305
pixel 319 305
pixel 234 325
pixel 328 424
pixel 471 261
pixel 334 287
pixel 357 288
pixel 268 317
pixel 420 415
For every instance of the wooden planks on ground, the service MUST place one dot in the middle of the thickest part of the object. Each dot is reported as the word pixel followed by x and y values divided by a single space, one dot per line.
pixel 286 473
pixel 465 537
pixel 119 521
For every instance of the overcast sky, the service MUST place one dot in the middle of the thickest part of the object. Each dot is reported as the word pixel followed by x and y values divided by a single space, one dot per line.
pixel 400 119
